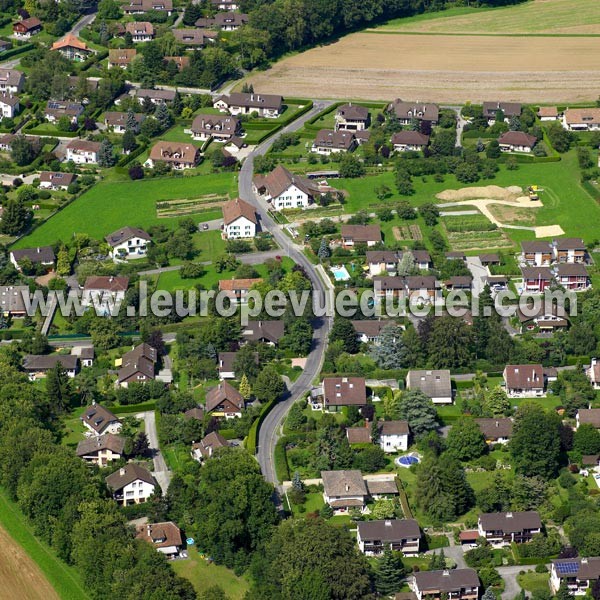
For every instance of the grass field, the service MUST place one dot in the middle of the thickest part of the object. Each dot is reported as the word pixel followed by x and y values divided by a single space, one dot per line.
pixel 29 570
pixel 108 206
pixel 204 575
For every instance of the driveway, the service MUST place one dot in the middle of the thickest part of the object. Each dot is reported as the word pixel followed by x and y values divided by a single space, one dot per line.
pixel 509 574
pixel 161 472
pixel 479 272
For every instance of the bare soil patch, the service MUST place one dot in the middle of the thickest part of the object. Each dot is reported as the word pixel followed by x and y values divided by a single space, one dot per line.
pixel 441 68
pixel 512 215
pixel 473 193
pixel 21 578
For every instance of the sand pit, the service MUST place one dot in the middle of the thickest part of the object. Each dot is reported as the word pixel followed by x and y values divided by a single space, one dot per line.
pixel 477 193
pixel 548 230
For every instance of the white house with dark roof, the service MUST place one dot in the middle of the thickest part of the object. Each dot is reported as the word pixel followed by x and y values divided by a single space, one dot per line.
pixel 131 484
pixel 352 117
pixel 524 381
pixel 11 81
pixel 9 105
pixel 242 103
pixel 433 383
pixel 103 292
pixel 401 535
pixel 128 242
pixel 138 365
pixel 593 373
pixel 458 584
pixel 393 436
pixel 99 420
pixel 56 180
pixel 37 365
pixel 239 219
pixel 165 537
pixel 282 189
pixel 580 574
pixel 102 449
pixel 503 528
pixel 43 255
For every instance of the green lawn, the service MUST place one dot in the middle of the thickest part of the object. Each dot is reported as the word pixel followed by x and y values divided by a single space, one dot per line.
pixel 176 134
pixel 532 581
pixel 204 575
pixel 63 578
pixel 74 429
pixel 108 206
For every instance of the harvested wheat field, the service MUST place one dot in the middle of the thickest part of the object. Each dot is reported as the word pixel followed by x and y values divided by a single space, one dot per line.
pixel 20 576
pixel 441 68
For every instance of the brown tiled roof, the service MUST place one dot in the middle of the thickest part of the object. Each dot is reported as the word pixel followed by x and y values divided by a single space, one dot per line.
pixel 9 99
pixel 353 112
pixel 193 37
pixel 523 377
pixel 582 115
pixel 174 152
pixel 535 246
pixel 280 179
pixel 415 110
pixel 510 109
pixel 370 327
pixel 180 61
pixel 344 391
pixel 469 536
pixel 98 417
pixel 590 459
pixel 336 140
pixel 232 285
pixel 195 413
pixel 148 5
pixel 141 350
pixel 209 443
pixel 547 111
pixel 11 77
pixel 382 487
pixel 379 256
pixel 121 56
pixel 236 208
pixel 166 95
pixel 160 535
pixel 495 428
pixel 83 146
pixel 56 177
pixel 590 416
pixel 410 138
pixel 139 28
pixel 446 581
pixel 269 330
pixel 389 530
pixel 510 522
pixel 358 435
pixel 517 138
pixel 582 568
pixel 126 233
pixel 226 360
pixel 230 18
pixel 390 282
pixel 12 298
pixel 571 270
pixel 106 282
pixel 125 475
pixel 221 392
pixel 362 233
pixel 344 483
pixel 489 258
pixel 393 427
pixel 114 443
pixel 113 118
pixel 29 23
pixel 419 282
pixel 215 123
pixel 421 255
pixel 253 100
pixel 433 383
pixel 141 359
pixel 565 243
pixel 460 281
pixel 543 273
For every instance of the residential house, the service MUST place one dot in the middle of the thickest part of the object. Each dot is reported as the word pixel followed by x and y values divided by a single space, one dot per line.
pixel 359 435
pixel 266 332
pixel 56 109
pixel 455 256
pixel 581 119
pixel 139 7
pixel 414 141
pixel 206 447
pixel 25 28
pixel 128 242
pixel 503 528
pixel 382 262
pixel 165 537
pixel 496 430
pixel 220 128
pixel 361 234
pixel 343 391
pixel 239 219
pixel 194 38
pixel 286 190
pixel 140 31
pixel 102 449
pixel 72 48
pixel 393 435
pixel 120 58
pixel 234 145
pixel 435 384
pixel 85 354
pixel 42 255
pixel 423 289
pixel 177 154
pixel 155 97
pixel 245 103
pixel 579 573
pixel 517 141
pixel 569 250
pixel 352 117
pixel 493 258
pixel 329 141
pixel 344 490
pixel 548 113
pixel 131 484
pixel 138 365
pixel 590 416
pixel 82 152
pixel 226 361
pixel 545 319
pixel 9 105
pixel 230 5
pixel 509 109
pixel 524 381
pixel 459 282
pixel 406 112
pixel 536 253
pixel 369 330
pixel 536 279
pixel 104 292
pixel 55 180
pixel 237 289
pixel 592 372
pixel 11 81
pixel 391 288
pixel 117 121
pixel 422 259
pixel 12 300
pixel 181 61
pixel 37 365
pixel 382 489
pixel 225 21
pixel 100 421
pixel 497 282
pixel 458 584
pixel 401 535
pixel 4 46
pixel 224 401
pixel 572 276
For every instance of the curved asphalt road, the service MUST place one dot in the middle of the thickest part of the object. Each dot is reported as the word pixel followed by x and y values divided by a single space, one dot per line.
pixel 269 431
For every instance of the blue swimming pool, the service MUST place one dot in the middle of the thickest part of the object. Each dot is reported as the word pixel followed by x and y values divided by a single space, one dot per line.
pixel 340 273
pixel 407 460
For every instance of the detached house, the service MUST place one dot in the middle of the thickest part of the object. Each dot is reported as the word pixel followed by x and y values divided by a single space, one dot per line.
pixel 242 103
pixel 360 234
pixel 128 242
pixel 509 109
pixel 120 58
pixel 55 110
pixel 517 141
pixel 286 190
pixel 414 141
pixel 82 152
pixel 55 180
pixel 226 362
pixel 139 7
pixel 572 276
pixel 138 365
pixel 524 381
pixel 37 365
pixel 194 38
pixel 393 435
pixel 503 528
pixel 435 384
pixel 237 289
pixel 536 279
pixel 117 121
pixel 141 31
pixel 11 81
pixel 458 584
pixel 179 155
pixel 267 332
pixel 579 573
pixel 216 127
pixel 401 535
pixel 12 300
pixel 352 117
pixel 42 255
pixel 131 484
pixel 101 450
pixel 369 330
pixel 72 48
pixel 225 21
pixel 224 401
pixel 9 105
pixel 405 112
pixel 343 391
pixel 548 113
pixel 165 537
pixel 344 490
pixel 329 141
pixel 239 219
pixel 207 446
pixel 581 119
pixel 382 262
pixel 496 430
pixel 154 96
pixel 546 319
pixel 103 292
pixel 100 421
pixel 536 254
pixel 25 28
pixel 230 5
pixel 593 373
pixel 589 416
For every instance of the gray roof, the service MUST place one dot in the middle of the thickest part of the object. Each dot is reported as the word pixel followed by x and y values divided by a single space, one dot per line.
pixel 415 110
pixel 344 483
pixel 166 95
pixel 45 362
pixel 12 77
pixel 582 568
pixel 353 112
pixel 569 244
pixel 433 383
pixel 389 530
pixel 253 100
pixel 98 417
pixel 379 256
pixel 495 428
pixel 535 246
pixel 393 427
pixel 510 522
pixel 125 233
pixel 446 581
pixel 41 254
pixel 258 330
pixel 510 109
pixel 12 298
pixel 114 443
pixel 127 474
pixel 590 416
pixel 382 487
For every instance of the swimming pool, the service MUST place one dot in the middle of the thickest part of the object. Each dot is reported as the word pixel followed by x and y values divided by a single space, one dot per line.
pixel 340 273
pixel 407 460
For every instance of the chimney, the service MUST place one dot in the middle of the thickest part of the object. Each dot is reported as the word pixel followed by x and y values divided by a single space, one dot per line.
pixel 347 488
pixel 446 573
pixel 122 471
pixel 509 515
pixel 149 530
pixel 388 523
pixel 584 561
pixel 497 424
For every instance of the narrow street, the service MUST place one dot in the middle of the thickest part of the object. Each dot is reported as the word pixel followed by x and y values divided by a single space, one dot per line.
pixel 161 471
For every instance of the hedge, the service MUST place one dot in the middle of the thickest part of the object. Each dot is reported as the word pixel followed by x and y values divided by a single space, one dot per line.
pixel 134 408
pixel 127 158
pixel 282 470
pixel 16 51
pixel 252 439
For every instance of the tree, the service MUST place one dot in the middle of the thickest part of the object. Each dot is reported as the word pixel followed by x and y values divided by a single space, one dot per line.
pixel 163 116
pixel 430 213
pixel 390 352
pixel 245 389
pixel 563 592
pixel 419 411
pixel 370 459
pixel 268 385
pixel 488 594
pixel 129 142
pixel 389 573
pixel 15 218
pixel 246 363
pixel 496 402
pixel 324 251
pixel 106 154
pixel 344 331
pixel 22 151
pixel 450 343
pixel 63 263
pixel 465 440
pixel 350 166
pixel 296 418
pixel 587 439
pixel 59 388
pixel 384 509
pixel 493 149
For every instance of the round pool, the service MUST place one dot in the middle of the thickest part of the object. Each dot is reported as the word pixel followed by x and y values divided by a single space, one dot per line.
pixel 407 460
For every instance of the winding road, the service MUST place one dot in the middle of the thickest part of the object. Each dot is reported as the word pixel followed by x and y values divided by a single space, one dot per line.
pixel 270 429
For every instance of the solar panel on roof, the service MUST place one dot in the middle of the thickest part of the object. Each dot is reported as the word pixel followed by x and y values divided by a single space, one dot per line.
pixel 569 568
